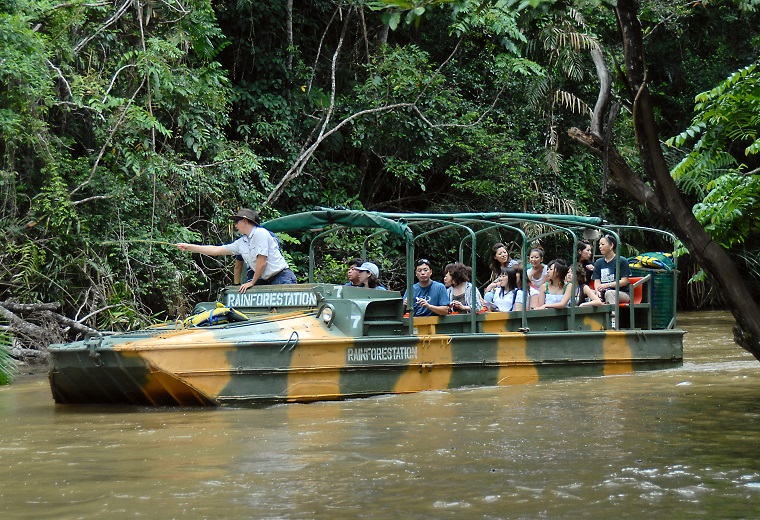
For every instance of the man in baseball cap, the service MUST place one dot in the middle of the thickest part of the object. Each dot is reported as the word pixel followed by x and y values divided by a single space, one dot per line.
pixel 258 248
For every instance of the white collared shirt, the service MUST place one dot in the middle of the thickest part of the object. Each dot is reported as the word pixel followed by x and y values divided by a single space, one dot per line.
pixel 259 242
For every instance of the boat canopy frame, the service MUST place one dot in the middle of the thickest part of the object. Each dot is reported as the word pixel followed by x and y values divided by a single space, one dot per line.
pixel 326 221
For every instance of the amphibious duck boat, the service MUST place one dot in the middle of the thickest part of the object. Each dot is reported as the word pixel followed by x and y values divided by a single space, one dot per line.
pixel 319 341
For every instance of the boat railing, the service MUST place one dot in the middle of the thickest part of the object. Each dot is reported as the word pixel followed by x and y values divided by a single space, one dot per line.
pixel 526 228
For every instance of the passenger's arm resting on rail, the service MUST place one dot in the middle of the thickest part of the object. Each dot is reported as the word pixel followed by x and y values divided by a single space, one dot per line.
pixel 440 310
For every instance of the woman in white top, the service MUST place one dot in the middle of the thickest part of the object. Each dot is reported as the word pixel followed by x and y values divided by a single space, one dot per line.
pixel 585 296
pixel 532 302
pixel 555 293
pixel 508 296
pixel 500 261
pixel 538 270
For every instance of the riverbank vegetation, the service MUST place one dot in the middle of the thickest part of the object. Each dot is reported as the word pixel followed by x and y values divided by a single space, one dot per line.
pixel 130 125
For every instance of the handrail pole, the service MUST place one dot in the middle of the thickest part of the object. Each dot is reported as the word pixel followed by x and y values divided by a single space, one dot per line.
pixel 473 288
pixel 311 249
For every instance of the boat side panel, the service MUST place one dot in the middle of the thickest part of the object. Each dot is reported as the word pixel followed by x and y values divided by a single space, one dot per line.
pixel 516 366
pixel 301 359
pixel 281 366
pixel 197 351
pixel 619 352
pixel 432 369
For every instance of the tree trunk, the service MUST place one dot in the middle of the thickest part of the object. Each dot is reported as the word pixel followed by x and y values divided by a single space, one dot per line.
pixel 660 193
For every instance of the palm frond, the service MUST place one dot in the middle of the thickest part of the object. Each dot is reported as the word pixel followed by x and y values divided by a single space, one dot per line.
pixel 571 102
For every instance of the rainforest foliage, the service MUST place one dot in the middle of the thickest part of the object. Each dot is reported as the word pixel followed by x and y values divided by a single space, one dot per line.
pixel 129 125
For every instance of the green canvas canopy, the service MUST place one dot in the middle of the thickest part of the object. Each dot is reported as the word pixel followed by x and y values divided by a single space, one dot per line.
pixel 397 223
pixel 346 218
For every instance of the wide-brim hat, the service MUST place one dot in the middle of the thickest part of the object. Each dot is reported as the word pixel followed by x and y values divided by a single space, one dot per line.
pixel 248 214
pixel 370 268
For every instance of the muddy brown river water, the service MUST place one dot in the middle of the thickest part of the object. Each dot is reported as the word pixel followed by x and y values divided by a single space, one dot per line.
pixel 678 443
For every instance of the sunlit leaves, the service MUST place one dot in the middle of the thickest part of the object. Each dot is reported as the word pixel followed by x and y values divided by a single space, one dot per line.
pixel 726 117
pixel 731 210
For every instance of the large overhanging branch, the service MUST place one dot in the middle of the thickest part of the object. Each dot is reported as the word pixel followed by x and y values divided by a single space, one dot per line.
pixel 603 99
pixel 304 157
pixel 622 176
pixel 112 20
pixel 308 150
pixel 657 190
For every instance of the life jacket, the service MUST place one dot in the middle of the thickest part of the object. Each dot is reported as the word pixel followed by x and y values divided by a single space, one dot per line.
pixel 217 316
pixel 653 260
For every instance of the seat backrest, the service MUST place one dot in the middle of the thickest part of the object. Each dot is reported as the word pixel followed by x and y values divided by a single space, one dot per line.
pixel 638 291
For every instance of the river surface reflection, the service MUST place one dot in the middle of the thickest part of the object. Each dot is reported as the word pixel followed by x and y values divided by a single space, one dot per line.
pixel 679 443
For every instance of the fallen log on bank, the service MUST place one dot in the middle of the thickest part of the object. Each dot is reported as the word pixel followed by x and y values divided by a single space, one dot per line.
pixel 34 326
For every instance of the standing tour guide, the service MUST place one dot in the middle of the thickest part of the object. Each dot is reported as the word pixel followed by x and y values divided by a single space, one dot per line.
pixel 259 249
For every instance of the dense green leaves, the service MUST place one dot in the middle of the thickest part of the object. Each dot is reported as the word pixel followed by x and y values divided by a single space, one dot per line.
pixel 114 131
pixel 721 168
pixel 7 364
pixel 128 126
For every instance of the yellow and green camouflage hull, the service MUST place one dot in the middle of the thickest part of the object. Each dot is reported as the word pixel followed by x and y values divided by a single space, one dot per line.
pixel 299 356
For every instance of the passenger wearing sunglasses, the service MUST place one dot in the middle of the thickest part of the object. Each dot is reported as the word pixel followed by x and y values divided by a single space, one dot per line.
pixel 430 297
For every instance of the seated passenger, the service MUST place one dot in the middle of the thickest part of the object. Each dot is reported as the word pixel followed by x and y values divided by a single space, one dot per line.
pixel 532 291
pixel 538 271
pixel 430 297
pixel 368 273
pixel 555 293
pixel 605 279
pixel 585 296
pixel 509 296
pixel 459 288
pixel 352 274
pixel 500 261
pixel 584 253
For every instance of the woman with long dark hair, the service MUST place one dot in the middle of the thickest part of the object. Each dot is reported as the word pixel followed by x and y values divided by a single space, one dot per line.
pixel 555 292
pixel 585 296
pixel 508 296
pixel 584 254
pixel 500 261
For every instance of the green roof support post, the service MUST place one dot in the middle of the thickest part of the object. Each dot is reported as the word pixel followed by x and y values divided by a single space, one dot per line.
pixel 448 225
pixel 311 249
pixel 410 261
pixel 367 239
pixel 524 317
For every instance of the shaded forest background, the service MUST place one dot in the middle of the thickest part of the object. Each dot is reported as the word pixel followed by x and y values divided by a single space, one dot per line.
pixel 129 125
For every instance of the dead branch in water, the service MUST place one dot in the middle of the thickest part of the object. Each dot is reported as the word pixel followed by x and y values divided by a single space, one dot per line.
pixel 35 326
